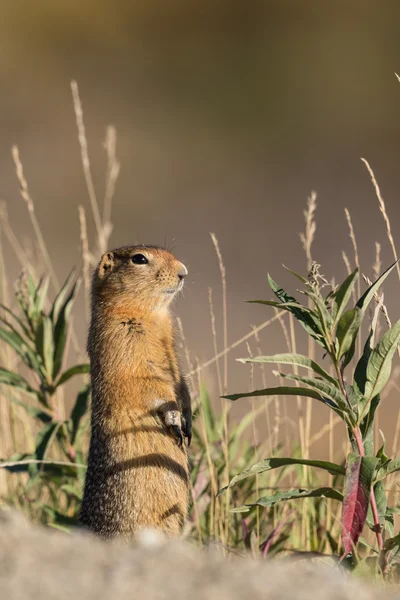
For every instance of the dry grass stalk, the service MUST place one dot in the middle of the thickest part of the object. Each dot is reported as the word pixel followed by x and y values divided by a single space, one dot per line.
pixel 112 174
pixel 382 208
pixel 186 352
pixel 224 305
pixel 85 259
pixel 225 386
pixel 267 401
pixel 356 260
pixel 86 167
pixel 377 266
pixel 355 247
pixel 12 239
pixel 255 442
pixel 214 338
pixel 235 344
pixel 307 238
pixel 346 262
pixel 31 210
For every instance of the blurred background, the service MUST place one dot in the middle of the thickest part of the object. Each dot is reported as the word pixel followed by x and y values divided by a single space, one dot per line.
pixel 228 114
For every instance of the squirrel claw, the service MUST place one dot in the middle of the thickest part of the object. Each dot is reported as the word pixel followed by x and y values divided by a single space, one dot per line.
pixel 187 426
pixel 177 433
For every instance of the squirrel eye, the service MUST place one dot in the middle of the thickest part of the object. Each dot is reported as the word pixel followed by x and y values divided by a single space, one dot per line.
pixel 139 259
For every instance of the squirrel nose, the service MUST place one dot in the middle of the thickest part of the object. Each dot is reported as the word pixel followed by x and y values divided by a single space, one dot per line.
pixel 182 272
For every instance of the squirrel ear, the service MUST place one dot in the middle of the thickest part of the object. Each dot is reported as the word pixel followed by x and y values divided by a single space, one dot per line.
pixel 106 264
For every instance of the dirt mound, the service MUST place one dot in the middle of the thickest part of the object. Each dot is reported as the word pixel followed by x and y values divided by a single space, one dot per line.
pixel 37 563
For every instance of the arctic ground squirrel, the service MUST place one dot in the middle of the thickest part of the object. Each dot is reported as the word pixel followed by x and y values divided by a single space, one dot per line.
pixel 137 475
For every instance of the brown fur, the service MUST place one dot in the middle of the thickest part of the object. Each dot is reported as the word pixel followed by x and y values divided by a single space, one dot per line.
pixel 138 468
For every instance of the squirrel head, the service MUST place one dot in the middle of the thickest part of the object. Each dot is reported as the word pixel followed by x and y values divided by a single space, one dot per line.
pixel 144 277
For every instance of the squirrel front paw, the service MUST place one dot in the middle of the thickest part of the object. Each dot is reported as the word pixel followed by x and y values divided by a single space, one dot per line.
pixel 172 419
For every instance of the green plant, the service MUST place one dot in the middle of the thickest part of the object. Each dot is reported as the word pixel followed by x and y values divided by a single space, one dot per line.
pixel 208 518
pixel 39 337
pixel 336 330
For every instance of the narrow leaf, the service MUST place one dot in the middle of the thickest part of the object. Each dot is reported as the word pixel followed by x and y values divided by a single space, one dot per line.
pixel 391 467
pixel 366 298
pixel 274 463
pixel 346 331
pixel 208 415
pixel 15 380
pixel 59 301
pixel 300 277
pixel 76 370
pixel 293 359
pixel 42 293
pixel 79 411
pixel 381 503
pixel 359 476
pixel 281 391
pixel 21 347
pixel 44 439
pixel 19 321
pixel 342 296
pixel 268 501
pixel 36 413
pixel 380 362
pixel 45 344
pixel 61 329
pixel 307 320
pixel 326 389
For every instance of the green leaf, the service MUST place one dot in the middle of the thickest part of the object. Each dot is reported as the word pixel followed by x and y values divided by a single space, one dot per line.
pixel 268 501
pixel 366 298
pixel 44 439
pixel 76 370
pixel 72 491
pixel 342 296
pixel 16 380
pixel 322 310
pixel 307 319
pixel 346 333
pixel 391 467
pixel 381 503
pixel 300 277
pixel 19 321
pixel 79 411
pixel 45 344
pixel 59 301
pixel 326 389
pixel 381 454
pixel 36 413
pixel 392 543
pixel 380 363
pixel 293 359
pixel 362 305
pixel 21 347
pixel 61 329
pixel 282 305
pixel 208 415
pixel 274 463
pixel 16 458
pixel 360 372
pixel 281 391
pixel 367 427
pixel 41 293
